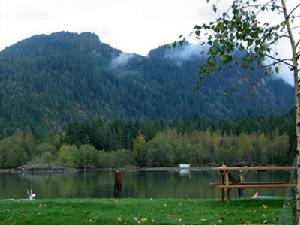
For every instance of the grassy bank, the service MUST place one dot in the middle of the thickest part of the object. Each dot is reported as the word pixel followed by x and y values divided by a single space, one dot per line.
pixel 138 211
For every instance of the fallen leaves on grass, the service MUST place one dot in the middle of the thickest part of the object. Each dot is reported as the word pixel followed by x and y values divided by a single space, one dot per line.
pixel 144 220
pixel 221 220
pixel 141 220
pixel 41 205
pixel 24 214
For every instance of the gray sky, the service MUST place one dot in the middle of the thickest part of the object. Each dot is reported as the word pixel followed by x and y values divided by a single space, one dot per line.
pixel 130 25
pixel 135 26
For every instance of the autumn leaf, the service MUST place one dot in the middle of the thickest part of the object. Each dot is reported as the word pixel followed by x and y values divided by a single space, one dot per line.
pixel 265 206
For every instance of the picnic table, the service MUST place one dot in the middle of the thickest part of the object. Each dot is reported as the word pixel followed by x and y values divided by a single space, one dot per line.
pixel 227 183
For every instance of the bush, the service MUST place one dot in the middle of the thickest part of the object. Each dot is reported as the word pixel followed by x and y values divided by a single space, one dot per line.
pixel 66 155
pixel 113 159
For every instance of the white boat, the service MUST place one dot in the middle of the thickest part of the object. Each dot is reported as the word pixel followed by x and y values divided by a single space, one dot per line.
pixel 184 166
pixel 184 169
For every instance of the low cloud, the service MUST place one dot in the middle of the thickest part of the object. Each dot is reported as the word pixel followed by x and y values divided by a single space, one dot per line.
pixel 121 60
pixel 285 74
pixel 185 52
pixel 188 50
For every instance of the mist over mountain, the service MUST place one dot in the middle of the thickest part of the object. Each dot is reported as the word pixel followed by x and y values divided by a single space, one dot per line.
pixel 47 81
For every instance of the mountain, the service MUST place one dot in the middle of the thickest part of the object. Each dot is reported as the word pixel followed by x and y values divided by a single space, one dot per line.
pixel 47 81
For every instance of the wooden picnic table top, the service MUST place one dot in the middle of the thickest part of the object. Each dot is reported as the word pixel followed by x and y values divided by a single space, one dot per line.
pixel 283 185
pixel 257 168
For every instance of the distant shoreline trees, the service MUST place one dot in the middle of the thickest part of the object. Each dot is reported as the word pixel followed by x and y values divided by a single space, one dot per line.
pixel 97 143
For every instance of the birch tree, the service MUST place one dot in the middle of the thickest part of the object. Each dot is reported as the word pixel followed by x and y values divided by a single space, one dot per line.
pixel 250 26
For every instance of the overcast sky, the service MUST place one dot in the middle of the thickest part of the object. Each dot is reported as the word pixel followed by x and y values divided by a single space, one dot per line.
pixel 135 26
pixel 130 25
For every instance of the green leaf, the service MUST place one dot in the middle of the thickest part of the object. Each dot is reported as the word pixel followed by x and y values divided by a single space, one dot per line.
pixel 223 58
pixel 277 69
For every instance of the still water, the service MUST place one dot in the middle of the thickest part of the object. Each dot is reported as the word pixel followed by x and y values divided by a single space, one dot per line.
pixel 136 184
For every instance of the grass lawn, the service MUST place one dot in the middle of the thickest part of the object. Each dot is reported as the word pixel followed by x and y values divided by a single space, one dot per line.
pixel 143 211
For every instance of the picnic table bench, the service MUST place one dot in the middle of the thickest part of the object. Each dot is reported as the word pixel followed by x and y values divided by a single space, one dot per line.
pixel 227 183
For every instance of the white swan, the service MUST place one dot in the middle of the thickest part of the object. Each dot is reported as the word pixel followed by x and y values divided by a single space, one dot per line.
pixel 31 196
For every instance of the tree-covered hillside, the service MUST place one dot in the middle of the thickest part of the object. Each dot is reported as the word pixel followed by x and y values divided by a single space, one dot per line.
pixel 47 81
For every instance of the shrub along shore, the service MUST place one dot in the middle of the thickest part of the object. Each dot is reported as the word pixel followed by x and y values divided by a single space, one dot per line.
pixel 144 211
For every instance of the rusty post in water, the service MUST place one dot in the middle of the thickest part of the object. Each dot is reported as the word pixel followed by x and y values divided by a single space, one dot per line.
pixel 118 184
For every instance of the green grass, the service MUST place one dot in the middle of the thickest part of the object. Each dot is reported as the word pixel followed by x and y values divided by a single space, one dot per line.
pixel 143 211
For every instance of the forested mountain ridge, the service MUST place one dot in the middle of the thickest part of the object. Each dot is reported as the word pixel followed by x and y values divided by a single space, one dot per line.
pixel 47 81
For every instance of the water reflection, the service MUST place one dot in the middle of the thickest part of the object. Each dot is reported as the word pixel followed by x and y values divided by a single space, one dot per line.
pixel 136 184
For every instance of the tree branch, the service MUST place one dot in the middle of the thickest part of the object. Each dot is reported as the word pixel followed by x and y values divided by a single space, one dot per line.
pixel 298 56
pixel 298 42
pixel 293 10
pixel 281 60
pixel 270 65
pixel 295 27
pixel 283 36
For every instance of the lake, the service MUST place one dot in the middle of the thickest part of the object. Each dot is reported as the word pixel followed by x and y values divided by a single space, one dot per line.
pixel 136 184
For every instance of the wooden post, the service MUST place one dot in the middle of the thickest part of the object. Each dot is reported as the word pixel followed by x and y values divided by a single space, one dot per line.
pixel 227 184
pixel 241 179
pixel 222 189
pixel 226 179
pixel 228 194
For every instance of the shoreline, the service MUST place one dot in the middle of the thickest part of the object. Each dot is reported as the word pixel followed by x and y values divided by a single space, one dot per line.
pixel 60 169
pixel 73 170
